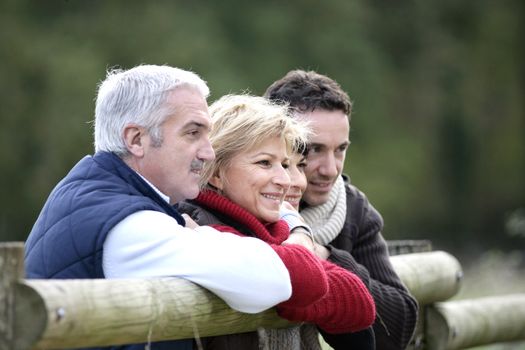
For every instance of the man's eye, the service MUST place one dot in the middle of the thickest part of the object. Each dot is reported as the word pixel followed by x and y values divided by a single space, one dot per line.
pixel 344 148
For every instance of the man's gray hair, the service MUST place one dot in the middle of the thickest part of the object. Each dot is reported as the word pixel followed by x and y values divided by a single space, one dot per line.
pixel 137 96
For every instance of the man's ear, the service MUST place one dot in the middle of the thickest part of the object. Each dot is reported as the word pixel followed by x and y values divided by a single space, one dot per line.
pixel 216 181
pixel 134 139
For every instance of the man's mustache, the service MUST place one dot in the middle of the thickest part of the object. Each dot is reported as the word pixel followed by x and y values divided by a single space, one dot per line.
pixel 196 165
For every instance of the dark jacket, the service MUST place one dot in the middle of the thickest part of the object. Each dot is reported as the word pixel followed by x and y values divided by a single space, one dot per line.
pixel 361 248
pixel 68 236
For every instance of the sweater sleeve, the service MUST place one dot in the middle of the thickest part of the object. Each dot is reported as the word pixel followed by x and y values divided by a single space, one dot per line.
pixel 361 248
pixel 308 278
pixel 347 307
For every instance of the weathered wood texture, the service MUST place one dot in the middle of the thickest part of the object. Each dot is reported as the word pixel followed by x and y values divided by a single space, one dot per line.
pixel 467 323
pixel 60 314
pixel 430 276
pixel 12 269
pixel 397 247
pixel 103 312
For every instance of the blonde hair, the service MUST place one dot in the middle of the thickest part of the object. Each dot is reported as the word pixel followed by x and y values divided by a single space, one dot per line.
pixel 242 122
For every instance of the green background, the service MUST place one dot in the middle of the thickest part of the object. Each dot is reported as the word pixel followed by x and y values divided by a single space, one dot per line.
pixel 438 129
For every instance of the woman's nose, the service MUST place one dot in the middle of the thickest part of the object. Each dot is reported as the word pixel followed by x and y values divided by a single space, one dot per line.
pixel 282 178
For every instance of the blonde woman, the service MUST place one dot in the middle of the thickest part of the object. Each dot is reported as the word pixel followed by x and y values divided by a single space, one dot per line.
pixel 246 184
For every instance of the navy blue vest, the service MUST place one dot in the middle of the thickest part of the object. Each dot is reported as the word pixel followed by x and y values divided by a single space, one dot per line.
pixel 68 236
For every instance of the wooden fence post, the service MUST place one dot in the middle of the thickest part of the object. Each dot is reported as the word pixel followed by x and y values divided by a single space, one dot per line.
pixel 60 314
pixel 461 324
pixel 12 270
pixel 415 275
pixel 430 276
pixel 90 313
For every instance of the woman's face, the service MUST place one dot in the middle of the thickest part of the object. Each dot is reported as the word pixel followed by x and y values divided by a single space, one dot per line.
pixel 297 179
pixel 257 179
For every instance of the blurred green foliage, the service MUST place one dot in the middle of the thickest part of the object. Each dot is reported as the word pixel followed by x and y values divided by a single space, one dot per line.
pixel 438 129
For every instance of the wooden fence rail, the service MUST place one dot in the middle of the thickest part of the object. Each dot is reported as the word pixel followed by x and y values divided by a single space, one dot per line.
pixel 60 314
pixel 466 323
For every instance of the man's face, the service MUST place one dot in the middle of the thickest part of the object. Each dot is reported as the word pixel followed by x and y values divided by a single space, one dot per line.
pixel 327 150
pixel 175 167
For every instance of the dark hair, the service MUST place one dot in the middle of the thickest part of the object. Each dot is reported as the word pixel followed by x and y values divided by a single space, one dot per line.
pixel 307 91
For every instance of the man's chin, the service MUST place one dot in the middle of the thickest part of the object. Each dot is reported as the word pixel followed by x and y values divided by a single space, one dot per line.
pixel 314 199
pixel 192 193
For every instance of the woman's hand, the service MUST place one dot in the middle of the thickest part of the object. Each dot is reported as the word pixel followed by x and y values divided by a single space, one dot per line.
pixel 189 221
pixel 302 237
pixel 299 234
pixel 321 251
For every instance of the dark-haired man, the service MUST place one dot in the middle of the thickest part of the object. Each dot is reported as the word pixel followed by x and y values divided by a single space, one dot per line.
pixel 346 225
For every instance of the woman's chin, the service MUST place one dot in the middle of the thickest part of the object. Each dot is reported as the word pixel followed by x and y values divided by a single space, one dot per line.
pixel 269 218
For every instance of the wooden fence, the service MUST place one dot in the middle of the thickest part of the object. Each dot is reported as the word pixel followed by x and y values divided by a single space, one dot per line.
pixel 60 314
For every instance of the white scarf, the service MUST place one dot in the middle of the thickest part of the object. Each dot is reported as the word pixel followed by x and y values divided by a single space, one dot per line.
pixel 327 220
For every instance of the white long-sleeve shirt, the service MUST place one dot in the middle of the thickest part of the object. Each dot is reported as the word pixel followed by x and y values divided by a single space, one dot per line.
pixel 245 272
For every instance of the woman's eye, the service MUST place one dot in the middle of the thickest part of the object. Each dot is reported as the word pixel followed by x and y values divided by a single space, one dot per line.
pixel 264 162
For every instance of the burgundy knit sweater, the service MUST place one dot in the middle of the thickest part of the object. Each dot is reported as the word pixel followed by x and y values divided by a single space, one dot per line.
pixel 323 293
